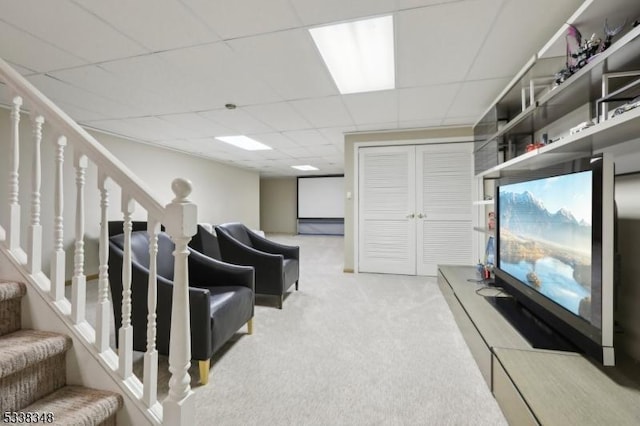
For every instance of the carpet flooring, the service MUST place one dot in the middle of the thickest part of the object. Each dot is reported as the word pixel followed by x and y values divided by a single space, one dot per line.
pixel 346 349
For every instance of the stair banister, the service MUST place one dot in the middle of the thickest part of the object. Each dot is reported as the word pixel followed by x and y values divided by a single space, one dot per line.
pixel 89 146
pixel 180 221
pixel 179 218
pixel 13 237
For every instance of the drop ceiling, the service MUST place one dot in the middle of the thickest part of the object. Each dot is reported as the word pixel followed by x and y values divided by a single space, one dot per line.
pixel 161 72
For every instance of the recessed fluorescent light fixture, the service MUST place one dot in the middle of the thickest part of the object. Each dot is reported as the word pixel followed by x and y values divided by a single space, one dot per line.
pixel 244 142
pixel 359 54
pixel 305 168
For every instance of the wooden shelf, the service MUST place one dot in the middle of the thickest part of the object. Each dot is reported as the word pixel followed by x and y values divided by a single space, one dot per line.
pixel 599 137
pixel 484 230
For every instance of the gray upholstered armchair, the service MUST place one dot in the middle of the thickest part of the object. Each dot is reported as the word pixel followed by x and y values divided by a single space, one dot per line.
pixel 221 296
pixel 277 266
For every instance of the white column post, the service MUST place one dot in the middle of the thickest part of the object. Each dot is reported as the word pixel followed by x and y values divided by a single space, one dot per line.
pixel 125 336
pixel 13 237
pixel 58 258
pixel 180 221
pixel 34 255
pixel 79 280
pixel 103 308
pixel 150 392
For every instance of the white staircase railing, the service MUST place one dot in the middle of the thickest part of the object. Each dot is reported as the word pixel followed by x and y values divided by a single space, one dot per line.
pixel 179 218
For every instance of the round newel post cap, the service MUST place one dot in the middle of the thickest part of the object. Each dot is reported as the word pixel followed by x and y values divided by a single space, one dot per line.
pixel 181 188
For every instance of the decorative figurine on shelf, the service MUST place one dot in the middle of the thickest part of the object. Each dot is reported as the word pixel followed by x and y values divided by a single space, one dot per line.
pixel 609 35
pixel 579 55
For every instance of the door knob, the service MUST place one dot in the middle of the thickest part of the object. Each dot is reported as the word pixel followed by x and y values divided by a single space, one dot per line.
pixel 420 215
pixel 411 216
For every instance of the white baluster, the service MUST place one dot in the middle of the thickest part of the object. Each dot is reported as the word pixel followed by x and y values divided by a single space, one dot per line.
pixel 79 280
pixel 180 221
pixel 58 258
pixel 13 237
pixel 149 395
pixel 103 310
pixel 34 256
pixel 125 336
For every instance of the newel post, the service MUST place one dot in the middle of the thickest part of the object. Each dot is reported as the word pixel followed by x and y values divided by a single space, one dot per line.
pixel 180 222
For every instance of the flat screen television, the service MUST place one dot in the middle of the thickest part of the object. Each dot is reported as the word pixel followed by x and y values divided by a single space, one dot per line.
pixel 555 249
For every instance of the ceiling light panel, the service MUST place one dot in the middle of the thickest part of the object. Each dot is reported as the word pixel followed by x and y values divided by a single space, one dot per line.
pixel 305 168
pixel 359 54
pixel 243 142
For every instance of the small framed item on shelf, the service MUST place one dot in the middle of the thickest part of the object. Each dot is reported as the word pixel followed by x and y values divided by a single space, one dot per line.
pixel 491 222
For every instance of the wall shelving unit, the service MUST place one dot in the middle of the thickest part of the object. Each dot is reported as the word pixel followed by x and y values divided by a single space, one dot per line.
pixel 532 105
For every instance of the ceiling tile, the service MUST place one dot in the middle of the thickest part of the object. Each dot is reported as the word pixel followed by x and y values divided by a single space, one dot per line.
pixel 28 51
pixel 157 28
pixel 237 120
pixel 212 75
pixel 307 138
pixel 512 52
pixel 425 103
pixel 313 12
pixel 194 125
pixel 433 48
pixel 335 135
pixel 71 28
pixel 324 150
pixel 324 112
pixel 474 97
pixel 121 127
pixel 410 4
pixel 97 80
pixel 276 140
pixel 241 18
pixel 288 61
pixel 281 116
pixel 61 92
pixel 373 107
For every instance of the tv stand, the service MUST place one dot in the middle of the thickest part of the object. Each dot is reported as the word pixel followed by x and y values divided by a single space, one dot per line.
pixel 533 385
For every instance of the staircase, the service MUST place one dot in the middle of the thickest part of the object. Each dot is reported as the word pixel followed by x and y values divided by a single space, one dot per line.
pixel 33 374
pixel 34 246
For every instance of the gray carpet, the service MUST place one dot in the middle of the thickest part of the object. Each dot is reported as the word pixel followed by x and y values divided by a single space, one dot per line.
pixel 347 349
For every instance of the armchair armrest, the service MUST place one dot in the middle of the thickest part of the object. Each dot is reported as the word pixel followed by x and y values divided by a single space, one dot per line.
pixel 268 246
pixel 205 272
pixel 200 318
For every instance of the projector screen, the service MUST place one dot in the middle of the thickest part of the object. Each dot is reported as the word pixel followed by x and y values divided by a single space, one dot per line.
pixel 321 197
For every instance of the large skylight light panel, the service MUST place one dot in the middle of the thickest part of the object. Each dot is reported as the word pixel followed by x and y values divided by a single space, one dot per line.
pixel 305 168
pixel 244 142
pixel 359 54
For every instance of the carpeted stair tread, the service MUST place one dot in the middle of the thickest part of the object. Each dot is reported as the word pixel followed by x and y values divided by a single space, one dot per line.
pixel 11 290
pixel 77 405
pixel 24 348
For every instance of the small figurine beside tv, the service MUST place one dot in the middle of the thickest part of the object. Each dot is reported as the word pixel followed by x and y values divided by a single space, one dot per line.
pixel 554 250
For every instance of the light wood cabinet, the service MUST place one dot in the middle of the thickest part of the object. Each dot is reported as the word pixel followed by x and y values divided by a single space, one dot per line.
pixel 537 386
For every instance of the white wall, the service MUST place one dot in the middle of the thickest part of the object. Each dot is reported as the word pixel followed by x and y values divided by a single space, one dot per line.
pixel 223 193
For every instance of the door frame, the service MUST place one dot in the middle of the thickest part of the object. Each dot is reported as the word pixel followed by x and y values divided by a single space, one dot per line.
pixel 356 180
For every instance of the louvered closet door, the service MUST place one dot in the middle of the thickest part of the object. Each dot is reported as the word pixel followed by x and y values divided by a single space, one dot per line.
pixel 443 203
pixel 386 186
